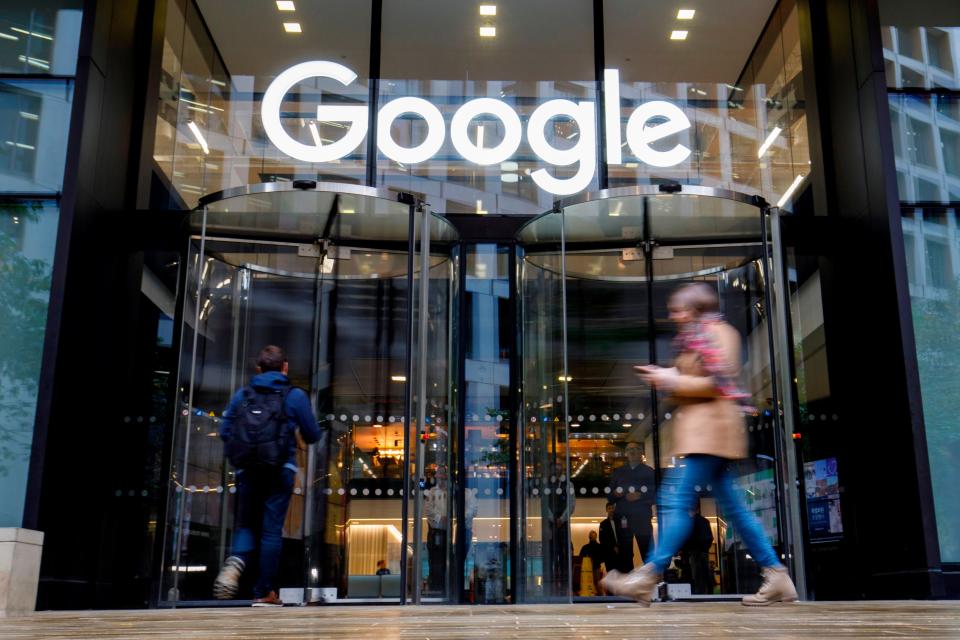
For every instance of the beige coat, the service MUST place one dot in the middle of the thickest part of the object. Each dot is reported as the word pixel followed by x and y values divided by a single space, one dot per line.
pixel 704 422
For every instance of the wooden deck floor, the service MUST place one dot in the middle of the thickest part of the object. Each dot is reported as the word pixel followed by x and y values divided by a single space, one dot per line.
pixel 551 622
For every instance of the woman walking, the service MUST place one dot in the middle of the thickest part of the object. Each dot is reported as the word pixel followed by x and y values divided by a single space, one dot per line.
pixel 709 432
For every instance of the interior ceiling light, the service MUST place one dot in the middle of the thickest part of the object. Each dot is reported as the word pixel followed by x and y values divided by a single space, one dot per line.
pixel 678 35
pixel 488 32
pixel 294 27
pixel 686 14
pixel 286 5
pixel 789 192
pixel 488 9
pixel 769 141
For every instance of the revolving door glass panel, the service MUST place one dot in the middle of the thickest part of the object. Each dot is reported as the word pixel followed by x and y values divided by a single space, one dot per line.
pixel 324 276
pixel 613 263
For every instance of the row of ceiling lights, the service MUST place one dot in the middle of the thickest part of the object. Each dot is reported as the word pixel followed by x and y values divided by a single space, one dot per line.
pixel 288 6
pixel 488 29
pixel 682 14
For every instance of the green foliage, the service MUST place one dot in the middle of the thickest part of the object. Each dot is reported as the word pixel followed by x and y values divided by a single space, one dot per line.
pixel 24 297
pixel 937 332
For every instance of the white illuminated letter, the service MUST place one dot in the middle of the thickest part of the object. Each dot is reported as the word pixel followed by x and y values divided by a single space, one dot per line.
pixel 640 136
pixel 611 113
pixel 356 116
pixel 512 131
pixel 435 130
pixel 584 114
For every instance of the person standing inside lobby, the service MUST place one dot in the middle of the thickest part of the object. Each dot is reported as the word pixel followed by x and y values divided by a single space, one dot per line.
pixel 709 433
pixel 632 491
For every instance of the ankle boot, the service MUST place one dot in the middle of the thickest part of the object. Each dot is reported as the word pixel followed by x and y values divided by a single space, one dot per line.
pixel 777 587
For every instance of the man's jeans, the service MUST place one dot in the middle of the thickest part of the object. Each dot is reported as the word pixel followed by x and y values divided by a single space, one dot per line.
pixel 679 496
pixel 263 496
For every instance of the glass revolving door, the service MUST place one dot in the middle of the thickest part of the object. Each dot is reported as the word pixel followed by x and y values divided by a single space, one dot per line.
pixel 350 282
pixel 595 276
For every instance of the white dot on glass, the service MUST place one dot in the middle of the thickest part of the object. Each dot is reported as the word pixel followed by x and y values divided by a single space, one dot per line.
pixel 487 492
pixel 593 418
pixel 583 491
pixel 536 492
pixel 595 490
pixel 366 492
pixel 353 492
pixel 640 416
pixel 616 416
pixel 330 416
pixel 628 416
pixel 392 419
pixel 487 418
pixel 668 415
pixel 340 491
pixel 499 418
pixel 823 417
pixel 709 488
pixel 631 490
pixel 233 489
pixel 580 418
pixel 606 489
pixel 356 418
pixel 343 417
pixel 389 492
pixel 377 492
pixel 499 491
pixel 546 491
pixel 698 488
pixel 328 491
pixel 643 489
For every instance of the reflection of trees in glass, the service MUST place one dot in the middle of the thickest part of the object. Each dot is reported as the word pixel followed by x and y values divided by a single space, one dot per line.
pixel 24 295
pixel 937 330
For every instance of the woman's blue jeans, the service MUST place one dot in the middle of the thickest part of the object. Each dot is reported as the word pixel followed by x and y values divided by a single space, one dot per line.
pixel 678 496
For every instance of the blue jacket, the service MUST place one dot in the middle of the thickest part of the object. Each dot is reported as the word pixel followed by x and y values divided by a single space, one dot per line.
pixel 297 409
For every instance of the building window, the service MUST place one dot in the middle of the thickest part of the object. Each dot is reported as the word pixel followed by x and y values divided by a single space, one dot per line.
pixel 28 231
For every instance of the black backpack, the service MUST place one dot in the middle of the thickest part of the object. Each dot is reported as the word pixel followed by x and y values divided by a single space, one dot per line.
pixel 260 436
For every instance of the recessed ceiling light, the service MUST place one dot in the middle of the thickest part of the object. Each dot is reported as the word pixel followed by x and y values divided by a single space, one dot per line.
pixel 488 9
pixel 294 27
pixel 686 14
pixel 678 35
pixel 285 5
pixel 488 32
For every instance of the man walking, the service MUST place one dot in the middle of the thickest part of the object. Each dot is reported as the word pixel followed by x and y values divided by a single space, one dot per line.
pixel 259 433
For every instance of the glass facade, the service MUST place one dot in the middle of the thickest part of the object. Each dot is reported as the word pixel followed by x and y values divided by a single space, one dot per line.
pixel 478 474
pixel 35 41
pixel 921 53
pixel 463 224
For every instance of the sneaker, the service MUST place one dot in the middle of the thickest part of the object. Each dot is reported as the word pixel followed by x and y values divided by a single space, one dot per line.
pixel 777 587
pixel 269 600
pixel 227 584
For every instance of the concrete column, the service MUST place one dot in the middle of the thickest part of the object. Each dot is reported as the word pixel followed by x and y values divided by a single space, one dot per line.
pixel 20 551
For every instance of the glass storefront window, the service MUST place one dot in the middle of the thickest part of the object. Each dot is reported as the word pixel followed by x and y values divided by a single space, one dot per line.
pixel 750 132
pixel 921 51
pixel 219 58
pixel 28 231
pixel 40 37
pixel 518 64
pixel 34 118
